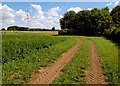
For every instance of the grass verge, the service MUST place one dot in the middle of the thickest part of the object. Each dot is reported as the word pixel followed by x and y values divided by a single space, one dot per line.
pixel 108 52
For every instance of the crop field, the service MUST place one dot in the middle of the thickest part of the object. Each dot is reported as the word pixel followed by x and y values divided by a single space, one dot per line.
pixel 27 52
pixel 24 54
pixel 42 32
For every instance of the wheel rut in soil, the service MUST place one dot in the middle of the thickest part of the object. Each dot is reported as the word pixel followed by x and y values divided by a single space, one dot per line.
pixel 94 73
pixel 47 74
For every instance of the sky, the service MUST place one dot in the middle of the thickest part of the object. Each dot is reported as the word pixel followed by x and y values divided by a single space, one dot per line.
pixel 43 14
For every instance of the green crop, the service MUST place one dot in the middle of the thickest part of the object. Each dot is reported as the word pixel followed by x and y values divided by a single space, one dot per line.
pixel 26 53
pixel 15 47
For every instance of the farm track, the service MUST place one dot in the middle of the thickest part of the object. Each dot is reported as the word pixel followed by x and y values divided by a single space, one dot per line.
pixel 94 74
pixel 47 74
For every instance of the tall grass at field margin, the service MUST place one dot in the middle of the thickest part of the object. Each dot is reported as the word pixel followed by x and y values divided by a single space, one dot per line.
pixel 108 52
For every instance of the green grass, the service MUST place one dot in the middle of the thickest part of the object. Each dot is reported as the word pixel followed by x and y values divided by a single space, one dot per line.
pixel 109 58
pixel 19 71
pixel 0 73
pixel 73 72
pixel 108 53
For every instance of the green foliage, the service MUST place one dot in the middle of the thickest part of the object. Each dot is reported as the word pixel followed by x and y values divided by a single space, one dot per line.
pixel 67 21
pixel 15 47
pixel 115 13
pixel 87 22
pixel 17 28
pixel 53 29
pixel 35 51
pixel 113 33
pixel 3 29
pixel 73 72
pixel 66 32
pixel 62 32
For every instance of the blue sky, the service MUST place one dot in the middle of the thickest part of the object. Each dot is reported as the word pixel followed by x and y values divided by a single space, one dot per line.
pixel 44 14
pixel 59 0
pixel 63 5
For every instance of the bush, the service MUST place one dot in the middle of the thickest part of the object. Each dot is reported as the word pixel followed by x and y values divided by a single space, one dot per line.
pixel 113 33
pixel 53 29
pixel 63 32
pixel 3 29
pixel 67 32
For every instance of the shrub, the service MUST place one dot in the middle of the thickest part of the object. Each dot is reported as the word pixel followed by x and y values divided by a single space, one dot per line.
pixel 63 32
pixel 67 32
pixel 113 33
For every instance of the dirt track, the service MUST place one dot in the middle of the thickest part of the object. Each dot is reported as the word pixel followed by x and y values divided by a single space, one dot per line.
pixel 94 74
pixel 48 74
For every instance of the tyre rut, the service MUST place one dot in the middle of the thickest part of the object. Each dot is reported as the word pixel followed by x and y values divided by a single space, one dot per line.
pixel 94 75
pixel 47 74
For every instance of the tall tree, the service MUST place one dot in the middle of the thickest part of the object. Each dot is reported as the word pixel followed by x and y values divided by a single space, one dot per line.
pixel 105 20
pixel 53 28
pixel 67 22
pixel 82 20
pixel 87 22
pixel 3 29
pixel 115 13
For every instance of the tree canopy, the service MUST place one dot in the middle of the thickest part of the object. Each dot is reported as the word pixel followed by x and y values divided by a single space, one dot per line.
pixel 97 22
pixel 115 13
pixel 53 28
pixel 87 22
pixel 3 29
pixel 18 28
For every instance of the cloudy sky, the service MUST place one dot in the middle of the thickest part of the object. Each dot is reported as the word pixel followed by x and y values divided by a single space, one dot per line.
pixel 43 14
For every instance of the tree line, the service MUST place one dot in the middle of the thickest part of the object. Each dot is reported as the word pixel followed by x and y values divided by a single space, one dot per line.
pixel 17 28
pixel 97 22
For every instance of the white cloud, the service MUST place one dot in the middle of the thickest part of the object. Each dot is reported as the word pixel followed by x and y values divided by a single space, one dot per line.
pixel 20 14
pixel 53 11
pixel 76 9
pixel 61 16
pixel 39 13
pixel 50 17
pixel 38 20
pixel 117 3
pixel 46 22
pixel 7 16
pixel 89 9
pixel 42 21
pixel 109 4
pixel 53 23
pixel 23 16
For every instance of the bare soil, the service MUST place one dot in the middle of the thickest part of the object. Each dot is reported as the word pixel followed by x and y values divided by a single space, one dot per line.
pixel 47 74
pixel 94 74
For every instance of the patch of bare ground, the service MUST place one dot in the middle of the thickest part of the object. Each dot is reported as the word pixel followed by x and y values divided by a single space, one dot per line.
pixel 94 73
pixel 47 74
